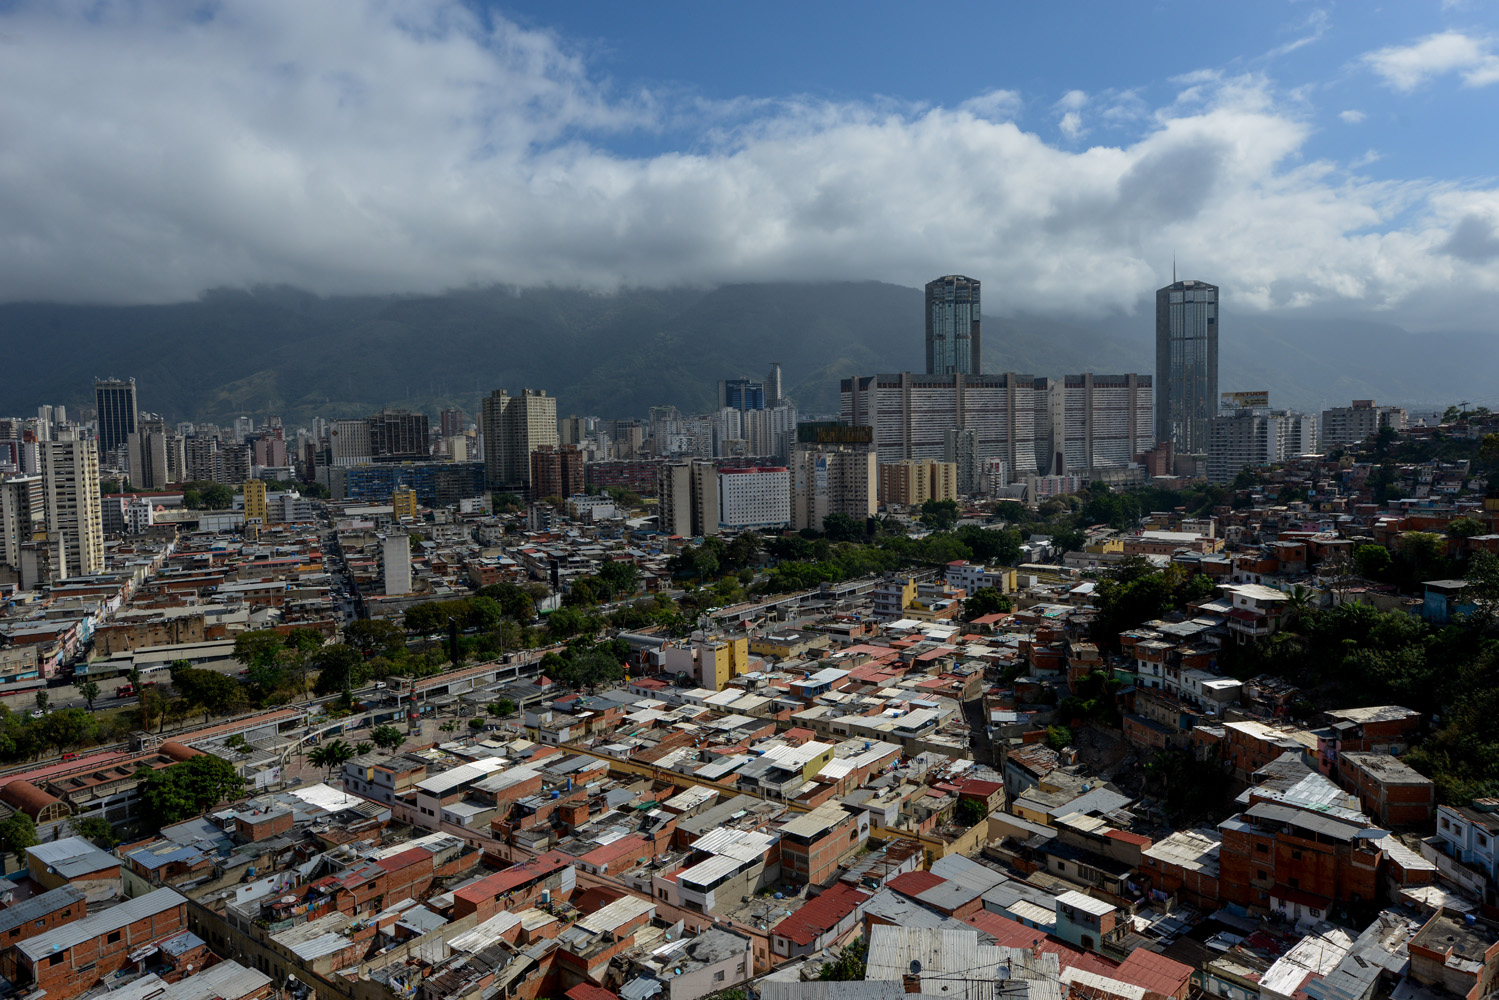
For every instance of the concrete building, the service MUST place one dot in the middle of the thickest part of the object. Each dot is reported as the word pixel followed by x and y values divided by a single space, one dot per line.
pixel 1090 423
pixel 403 503
pixel 1186 364
pixel 953 338
pixel 911 414
pixel 398 436
pixel 688 493
pixel 1250 438
pixel 23 513
pixel 148 454
pixel 395 559
pixel 915 482
pixel 255 501
pixel 513 427
pixel 758 497
pixel 349 443
pixel 832 479
pixel 70 483
pixel 557 471
pixel 1345 425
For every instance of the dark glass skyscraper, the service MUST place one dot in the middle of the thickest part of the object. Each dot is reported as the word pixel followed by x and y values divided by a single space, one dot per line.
pixel 115 400
pixel 952 326
pixel 1186 364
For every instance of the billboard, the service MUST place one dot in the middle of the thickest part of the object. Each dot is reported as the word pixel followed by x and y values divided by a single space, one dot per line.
pixel 1258 400
pixel 833 432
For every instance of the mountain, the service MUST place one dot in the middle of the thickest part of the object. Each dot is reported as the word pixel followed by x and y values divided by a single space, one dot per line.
pixel 285 351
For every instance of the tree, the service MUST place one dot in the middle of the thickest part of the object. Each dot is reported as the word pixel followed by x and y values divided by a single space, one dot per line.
pixel 187 788
pixel 90 690
pixel 208 690
pixel 363 747
pixel 842 528
pixel 1058 737
pixel 986 601
pixel 1465 527
pixel 375 636
pixel 622 577
pixel 970 812
pixel 17 832
pixel 1373 562
pixel 505 502
pixel 476 724
pixel 41 701
pixel 939 515
pixel 849 966
pixel 502 708
pixel 388 738
pixel 218 497
pixel 68 727
pixel 332 755
pixel 95 828
pixel 340 668
pixel 238 743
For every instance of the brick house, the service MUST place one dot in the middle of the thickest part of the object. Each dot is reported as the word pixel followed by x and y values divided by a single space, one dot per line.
pixel 34 916
pixel 813 843
pixel 1390 791
pixel 73 957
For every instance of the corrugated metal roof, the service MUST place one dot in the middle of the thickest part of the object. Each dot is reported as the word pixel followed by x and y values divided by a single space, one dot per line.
pixel 616 914
pixel 101 923
pixel 38 907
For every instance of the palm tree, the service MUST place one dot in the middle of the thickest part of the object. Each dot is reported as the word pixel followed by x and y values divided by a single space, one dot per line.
pixel 1298 603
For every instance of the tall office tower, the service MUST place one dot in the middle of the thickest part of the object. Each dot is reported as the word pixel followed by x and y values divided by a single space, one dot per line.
pixel 961 450
pixel 148 454
pixel 741 394
pixel 243 428
pixel 1186 364
pixel 572 430
pixel 688 498
pixel 70 484
pixel 450 421
pixel 773 386
pixel 1086 424
pixel 513 427
pixel 629 438
pixel 910 415
pixel 349 443
pixel 115 400
pixel 831 479
pixel 557 471
pixel 404 503
pixel 44 423
pixel 1250 437
pixel 952 326
pixel 398 436
pixel 23 513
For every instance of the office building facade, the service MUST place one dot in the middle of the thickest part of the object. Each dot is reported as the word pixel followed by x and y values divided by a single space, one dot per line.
pixel 687 495
pixel 557 471
pixel 1186 364
pixel 1345 425
pixel 757 497
pixel 913 482
pixel 117 412
pixel 1089 423
pixel 953 338
pixel 514 427
pixel 398 436
pixel 23 513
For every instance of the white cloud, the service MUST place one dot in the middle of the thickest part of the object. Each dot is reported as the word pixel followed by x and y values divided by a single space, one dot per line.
pixel 345 147
pixel 1352 116
pixel 1070 122
pixel 1314 25
pixel 1406 67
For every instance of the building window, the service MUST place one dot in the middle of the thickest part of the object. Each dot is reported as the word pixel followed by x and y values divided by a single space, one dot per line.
pixel 1295 855
pixel 1294 883
pixel 1262 848
pixel 54 959
pixel 1260 875
pixel 1446 825
pixel 718 976
pixel 113 938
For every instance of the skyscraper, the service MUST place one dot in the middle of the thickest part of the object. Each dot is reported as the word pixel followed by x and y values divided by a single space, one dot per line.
pixel 70 485
pixel 1186 364
pixel 952 326
pixel 513 427
pixel 115 400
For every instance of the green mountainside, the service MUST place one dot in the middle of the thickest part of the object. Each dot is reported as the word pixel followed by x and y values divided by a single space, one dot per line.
pixel 284 351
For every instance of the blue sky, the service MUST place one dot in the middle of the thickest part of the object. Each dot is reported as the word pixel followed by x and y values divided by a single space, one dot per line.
pixel 1329 159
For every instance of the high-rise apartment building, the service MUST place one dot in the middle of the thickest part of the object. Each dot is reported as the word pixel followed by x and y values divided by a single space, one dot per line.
pixel 741 394
pixel 70 484
pixel 1090 423
pixel 211 460
pixel 1251 438
pixel 557 471
pixel 451 422
pixel 914 482
pixel 148 454
pixel 117 412
pixel 831 479
pixel 513 427
pixel 773 396
pixel 952 326
pixel 349 443
pixel 1186 364
pixel 911 414
pixel 398 436
pixel 403 504
pixel 1345 425
pixel 255 501
pixel 23 514
pixel 688 498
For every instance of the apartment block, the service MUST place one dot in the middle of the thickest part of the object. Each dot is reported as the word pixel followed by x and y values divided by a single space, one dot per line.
pixel 76 956
pixel 1346 425
pixel 832 479
pixel 914 482
pixel 1390 791
pixel 758 497
pixel 813 843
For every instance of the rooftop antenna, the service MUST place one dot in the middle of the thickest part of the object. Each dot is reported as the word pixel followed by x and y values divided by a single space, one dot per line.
pixel 1173 269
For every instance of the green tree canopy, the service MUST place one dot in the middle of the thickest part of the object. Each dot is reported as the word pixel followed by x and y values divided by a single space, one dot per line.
pixel 187 788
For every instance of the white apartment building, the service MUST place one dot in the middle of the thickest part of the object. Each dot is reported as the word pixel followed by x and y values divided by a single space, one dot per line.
pixel 754 498
pixel 1248 438
pixel 831 479
pixel 1345 425
pixel 70 486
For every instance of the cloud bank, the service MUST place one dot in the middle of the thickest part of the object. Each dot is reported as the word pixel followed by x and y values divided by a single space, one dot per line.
pixel 347 147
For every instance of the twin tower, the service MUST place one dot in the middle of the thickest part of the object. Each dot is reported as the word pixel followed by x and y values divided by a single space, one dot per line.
pixel 1186 351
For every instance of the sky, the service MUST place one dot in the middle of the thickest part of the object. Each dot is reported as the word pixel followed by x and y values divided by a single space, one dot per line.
pixel 1322 158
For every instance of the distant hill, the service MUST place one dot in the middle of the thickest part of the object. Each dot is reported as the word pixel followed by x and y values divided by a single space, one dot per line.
pixel 284 351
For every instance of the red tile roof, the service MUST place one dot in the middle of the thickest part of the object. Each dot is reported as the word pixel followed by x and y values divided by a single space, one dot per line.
pixel 414 856
pixel 588 991
pixel 1138 839
pixel 1154 972
pixel 613 851
pixel 516 875
pixel 821 915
